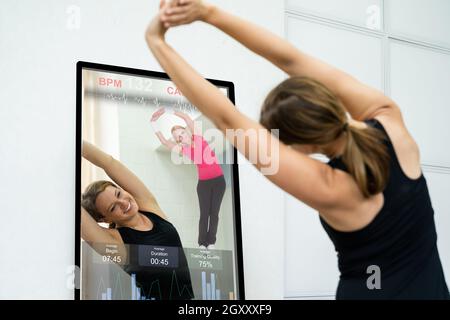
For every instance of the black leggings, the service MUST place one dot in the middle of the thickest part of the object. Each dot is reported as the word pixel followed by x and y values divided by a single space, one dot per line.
pixel 210 194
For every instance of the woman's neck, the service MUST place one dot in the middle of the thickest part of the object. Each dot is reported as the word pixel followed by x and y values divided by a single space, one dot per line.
pixel 139 222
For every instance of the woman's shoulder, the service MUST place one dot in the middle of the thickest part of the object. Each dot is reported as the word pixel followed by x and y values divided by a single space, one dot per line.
pixel 390 119
pixel 397 133
pixel 153 212
pixel 404 146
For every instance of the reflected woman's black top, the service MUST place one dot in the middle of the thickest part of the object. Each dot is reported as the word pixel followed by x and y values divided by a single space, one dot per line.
pixel 401 241
pixel 159 283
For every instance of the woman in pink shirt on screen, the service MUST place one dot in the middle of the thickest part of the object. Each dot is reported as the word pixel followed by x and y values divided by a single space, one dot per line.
pixel 211 183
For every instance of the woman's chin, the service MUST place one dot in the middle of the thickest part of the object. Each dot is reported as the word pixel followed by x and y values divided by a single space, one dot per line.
pixel 134 207
pixel 131 213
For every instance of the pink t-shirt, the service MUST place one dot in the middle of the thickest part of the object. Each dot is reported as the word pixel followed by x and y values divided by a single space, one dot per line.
pixel 203 157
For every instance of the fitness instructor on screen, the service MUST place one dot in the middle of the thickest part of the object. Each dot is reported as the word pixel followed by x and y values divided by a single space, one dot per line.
pixel 211 183
pixel 372 197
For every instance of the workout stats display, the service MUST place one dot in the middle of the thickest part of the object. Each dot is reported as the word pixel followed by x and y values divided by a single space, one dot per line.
pixel 157 199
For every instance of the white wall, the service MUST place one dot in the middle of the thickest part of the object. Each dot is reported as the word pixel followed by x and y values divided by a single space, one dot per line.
pixel 400 47
pixel 39 47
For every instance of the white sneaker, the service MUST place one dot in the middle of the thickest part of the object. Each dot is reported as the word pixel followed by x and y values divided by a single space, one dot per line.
pixel 211 247
pixel 202 247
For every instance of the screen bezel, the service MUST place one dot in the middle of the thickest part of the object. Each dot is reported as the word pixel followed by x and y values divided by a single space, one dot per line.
pixel 78 143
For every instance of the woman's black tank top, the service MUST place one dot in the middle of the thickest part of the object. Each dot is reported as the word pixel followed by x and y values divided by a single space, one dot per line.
pixel 400 241
pixel 161 282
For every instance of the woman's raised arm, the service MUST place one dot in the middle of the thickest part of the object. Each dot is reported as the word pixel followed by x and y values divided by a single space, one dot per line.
pixel 122 176
pixel 360 100
pixel 309 180
pixel 189 122
pixel 154 123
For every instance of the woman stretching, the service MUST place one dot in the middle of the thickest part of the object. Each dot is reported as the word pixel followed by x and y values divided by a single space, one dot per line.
pixel 135 218
pixel 211 183
pixel 372 197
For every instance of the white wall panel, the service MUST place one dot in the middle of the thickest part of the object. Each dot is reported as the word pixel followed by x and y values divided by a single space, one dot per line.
pixel 311 261
pixel 421 20
pixel 362 13
pixel 356 53
pixel 439 186
pixel 419 83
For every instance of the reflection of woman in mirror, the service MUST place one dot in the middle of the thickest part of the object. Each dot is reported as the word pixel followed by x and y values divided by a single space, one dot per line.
pixel 134 217
pixel 211 183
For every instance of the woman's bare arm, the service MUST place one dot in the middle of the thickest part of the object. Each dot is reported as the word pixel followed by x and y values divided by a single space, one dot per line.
pixel 167 143
pixel 361 101
pixel 92 232
pixel 154 123
pixel 189 122
pixel 98 237
pixel 122 176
